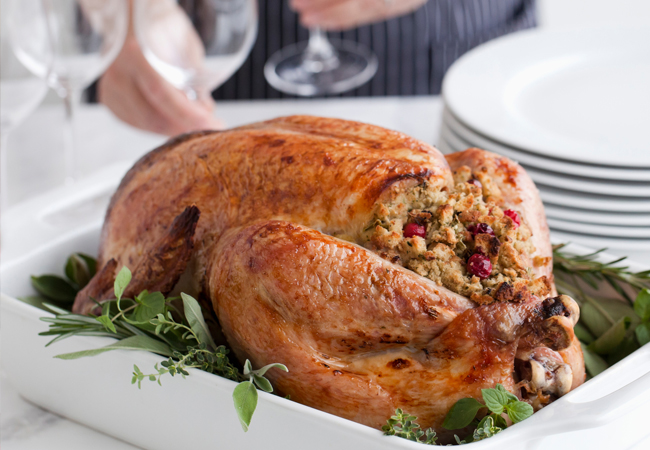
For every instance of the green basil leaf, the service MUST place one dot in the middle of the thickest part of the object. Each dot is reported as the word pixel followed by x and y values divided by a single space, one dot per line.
pixel 54 288
pixel 518 411
pixel 462 413
pixel 262 383
pixel 106 321
pixel 122 280
pixel 612 338
pixel 130 343
pixel 245 398
pixel 642 305
pixel 496 399
pixel 194 317
pixel 593 362
pixel 264 369
pixel 149 306
pixel 77 270
pixel 642 332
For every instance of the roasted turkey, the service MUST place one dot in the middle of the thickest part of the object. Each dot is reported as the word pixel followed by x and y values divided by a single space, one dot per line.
pixel 381 273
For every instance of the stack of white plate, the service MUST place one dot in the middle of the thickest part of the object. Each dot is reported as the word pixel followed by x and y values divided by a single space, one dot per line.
pixel 573 108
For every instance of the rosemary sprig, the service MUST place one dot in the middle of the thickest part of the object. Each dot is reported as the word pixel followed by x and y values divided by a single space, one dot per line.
pixel 591 271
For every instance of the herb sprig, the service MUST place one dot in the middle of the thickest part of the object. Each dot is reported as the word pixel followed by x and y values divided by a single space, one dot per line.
pixel 149 322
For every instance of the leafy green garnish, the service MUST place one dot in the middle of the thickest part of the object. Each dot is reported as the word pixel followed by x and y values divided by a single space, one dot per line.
pixel 403 425
pixel 148 322
pixel 462 413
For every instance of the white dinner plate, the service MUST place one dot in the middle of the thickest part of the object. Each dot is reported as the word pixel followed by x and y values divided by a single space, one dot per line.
pixel 625 245
pixel 597 217
pixel 572 199
pixel 580 95
pixel 612 231
pixel 571 182
pixel 542 162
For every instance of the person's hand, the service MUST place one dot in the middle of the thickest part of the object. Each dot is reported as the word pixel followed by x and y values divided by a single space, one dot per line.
pixel 345 14
pixel 139 96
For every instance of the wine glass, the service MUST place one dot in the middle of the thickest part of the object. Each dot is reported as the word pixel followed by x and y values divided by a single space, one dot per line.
pixel 82 37
pixel 20 93
pixel 196 45
pixel 320 66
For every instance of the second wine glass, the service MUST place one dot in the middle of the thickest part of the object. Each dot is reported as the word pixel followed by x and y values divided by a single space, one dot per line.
pixel 196 45
pixel 80 37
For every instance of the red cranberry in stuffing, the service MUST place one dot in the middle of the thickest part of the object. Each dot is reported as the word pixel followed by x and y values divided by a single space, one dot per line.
pixel 480 228
pixel 475 182
pixel 479 265
pixel 514 216
pixel 413 229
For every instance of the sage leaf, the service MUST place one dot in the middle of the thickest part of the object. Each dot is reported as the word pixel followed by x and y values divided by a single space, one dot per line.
pixel 195 319
pixel 54 288
pixel 642 305
pixel 106 321
pixel 262 383
pixel 612 338
pixel 245 398
pixel 593 362
pixel 518 411
pixel 149 306
pixel 583 334
pixel 77 270
pixel 642 332
pixel 462 413
pixel 130 343
pixel 264 369
pixel 625 348
pixel 600 318
pixel 122 280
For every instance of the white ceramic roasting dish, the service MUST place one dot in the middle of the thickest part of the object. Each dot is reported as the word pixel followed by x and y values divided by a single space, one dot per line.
pixel 608 412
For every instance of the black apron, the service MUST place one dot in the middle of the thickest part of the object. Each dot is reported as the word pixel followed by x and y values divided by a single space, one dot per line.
pixel 414 51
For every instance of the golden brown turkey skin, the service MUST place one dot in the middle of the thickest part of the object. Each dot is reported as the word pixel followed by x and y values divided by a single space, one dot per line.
pixel 252 215
pixel 362 335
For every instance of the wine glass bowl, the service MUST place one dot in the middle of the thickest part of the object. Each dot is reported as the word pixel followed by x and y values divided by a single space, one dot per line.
pixel 320 66
pixel 196 46
pixel 81 38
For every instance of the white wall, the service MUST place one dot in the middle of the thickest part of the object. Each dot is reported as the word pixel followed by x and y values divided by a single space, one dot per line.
pixel 593 13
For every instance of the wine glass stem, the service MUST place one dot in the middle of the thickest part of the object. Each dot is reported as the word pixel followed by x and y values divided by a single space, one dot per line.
pixel 320 55
pixel 71 99
pixel 4 140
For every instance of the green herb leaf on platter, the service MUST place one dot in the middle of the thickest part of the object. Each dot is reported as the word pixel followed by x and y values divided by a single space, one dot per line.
pixel 599 317
pixel 642 305
pixel 77 270
pixel 262 383
pixel 107 322
pixel 642 333
pixel 264 369
pixel 54 288
pixel 612 338
pixel 594 363
pixel 485 429
pixel 245 399
pixel 462 413
pixel 583 334
pixel 403 425
pixel 194 317
pixel 122 280
pixel 518 411
pixel 150 304
pixel 497 398
pixel 131 343
pixel 625 348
